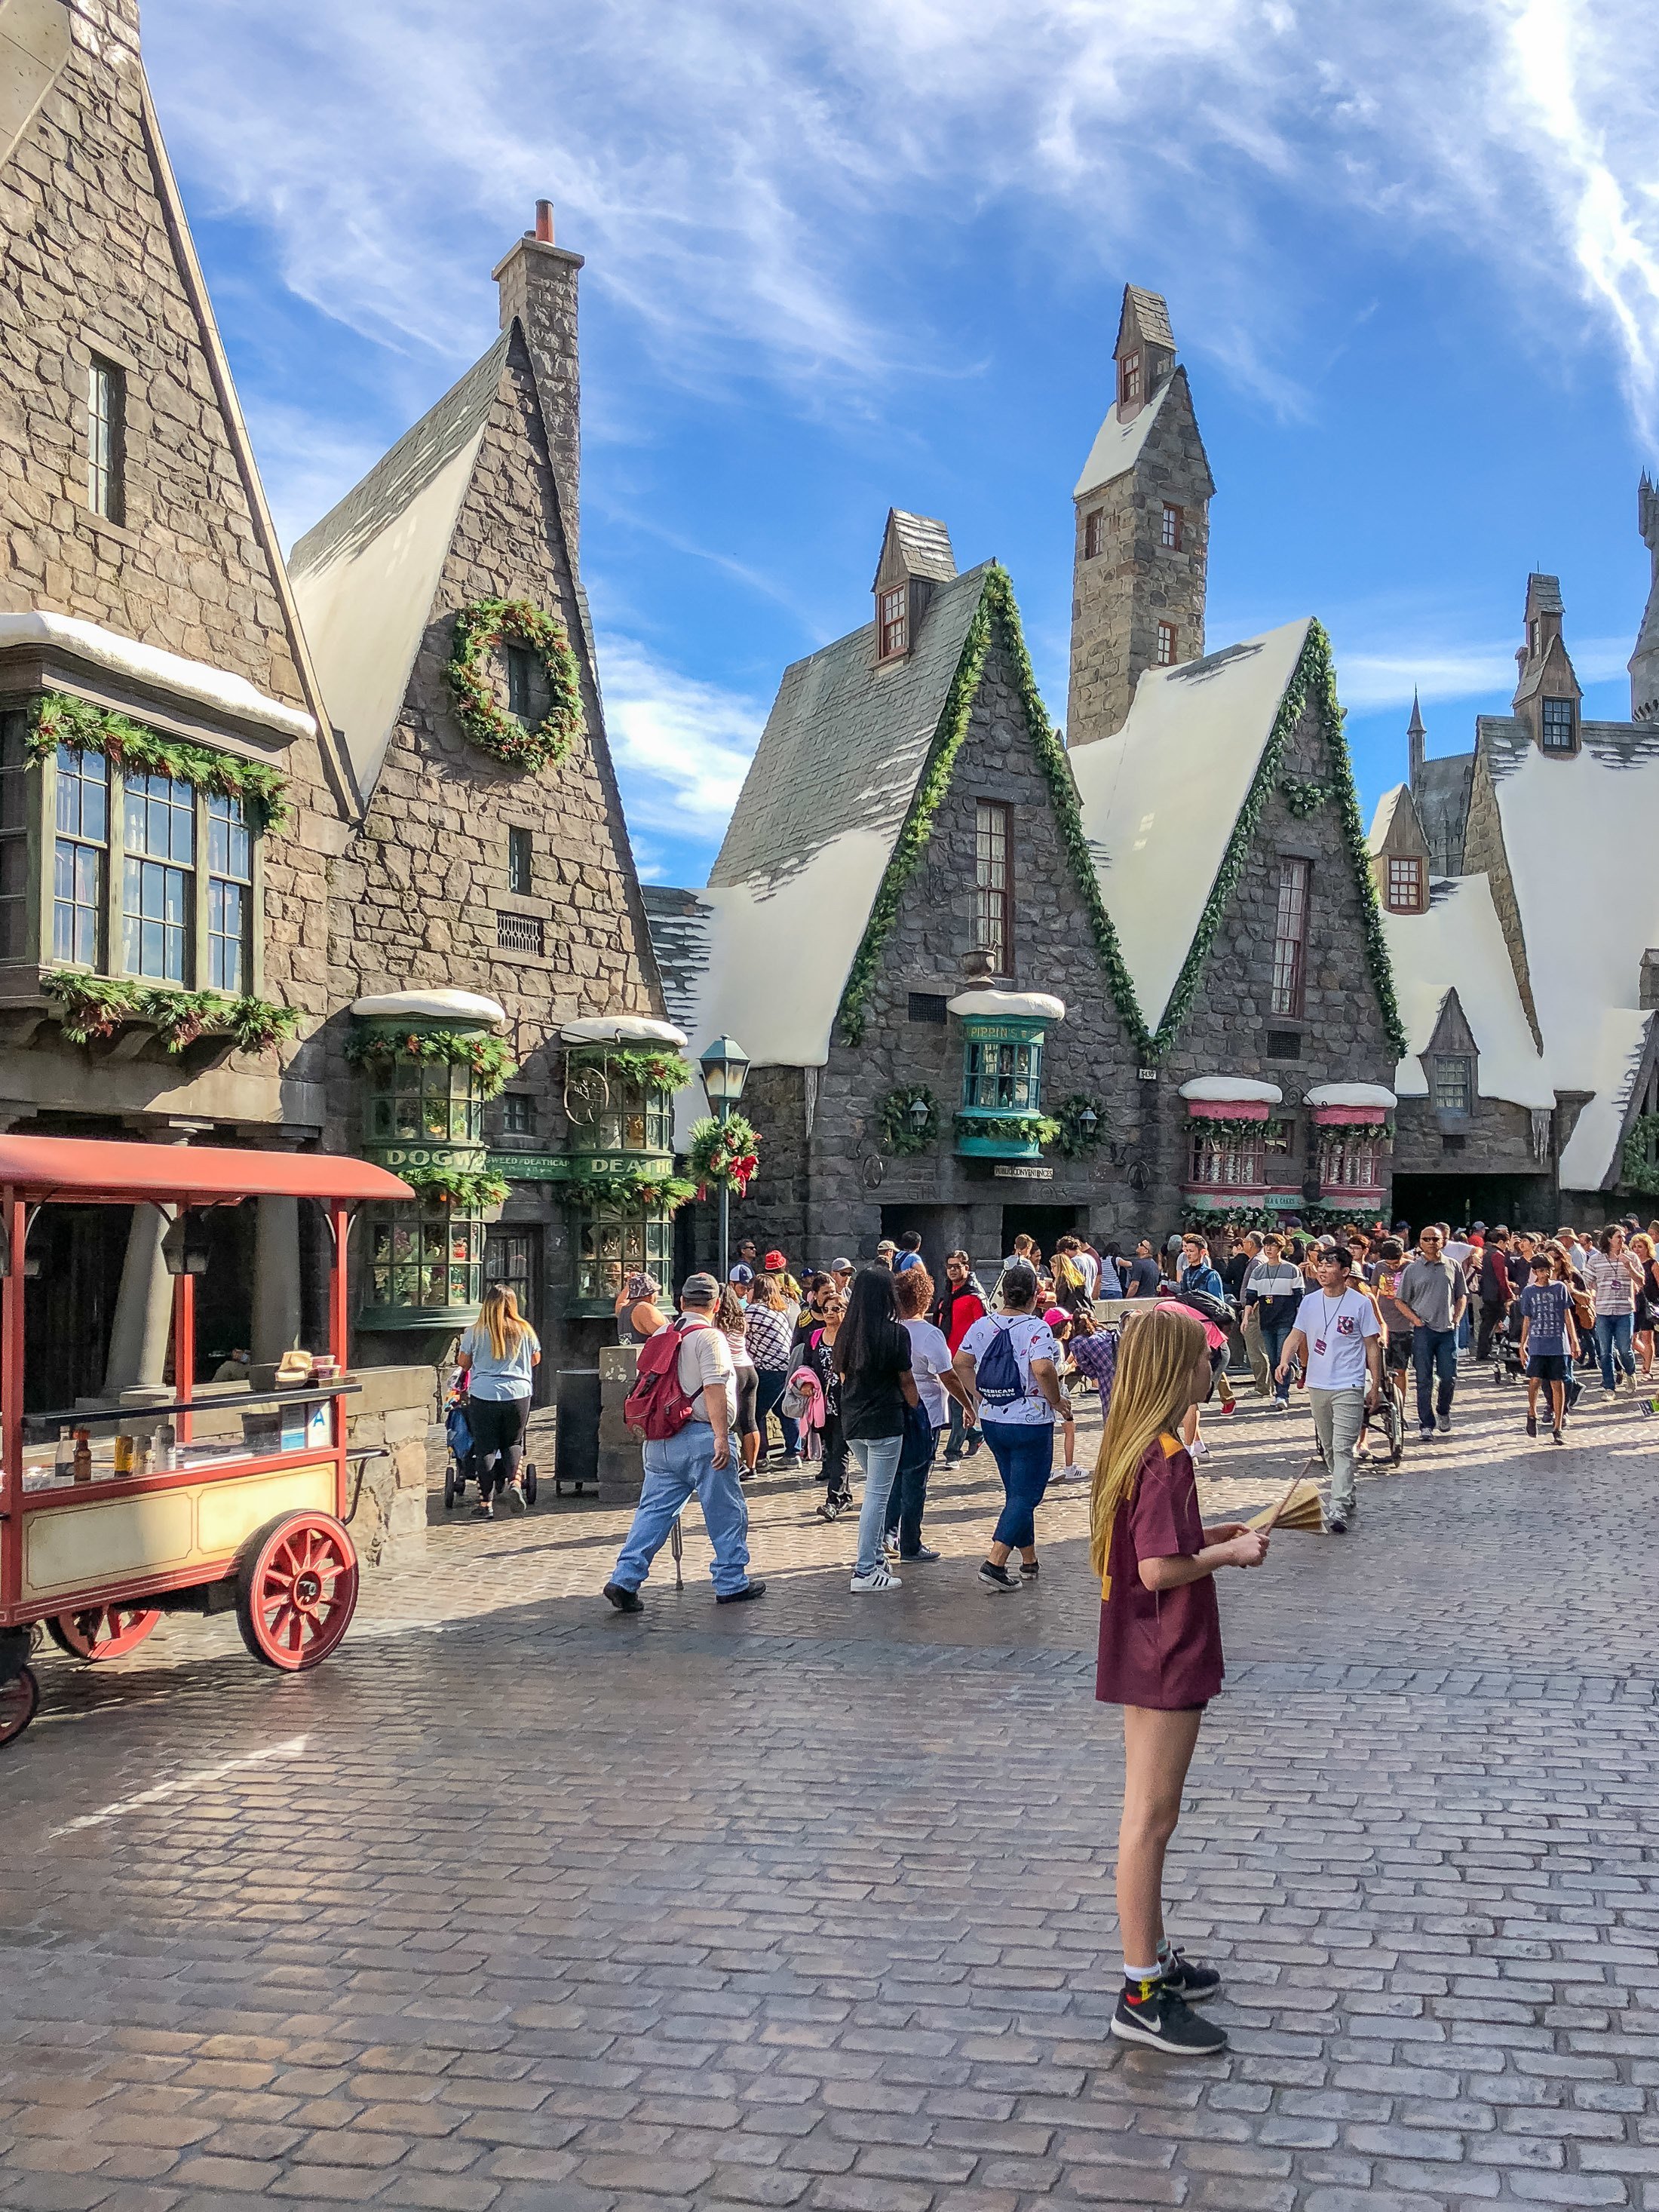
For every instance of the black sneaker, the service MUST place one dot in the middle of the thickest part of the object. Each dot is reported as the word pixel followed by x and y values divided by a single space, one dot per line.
pixel 1030 1568
pixel 625 1600
pixel 750 1588
pixel 998 1578
pixel 1164 2020
pixel 1532 1424
pixel 1196 1984
pixel 923 1558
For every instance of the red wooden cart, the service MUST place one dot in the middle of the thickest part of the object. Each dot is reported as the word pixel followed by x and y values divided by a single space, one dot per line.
pixel 198 1503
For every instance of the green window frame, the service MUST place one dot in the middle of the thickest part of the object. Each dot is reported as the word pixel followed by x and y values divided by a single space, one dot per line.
pixel 421 1102
pixel 612 1241
pixel 423 1258
pixel 1000 1076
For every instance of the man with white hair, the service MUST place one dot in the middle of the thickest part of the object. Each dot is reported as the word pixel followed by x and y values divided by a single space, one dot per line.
pixel 697 1459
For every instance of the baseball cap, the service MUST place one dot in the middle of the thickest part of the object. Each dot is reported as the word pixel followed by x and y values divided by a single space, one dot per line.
pixel 739 1274
pixel 702 1288
pixel 1057 1317
pixel 841 1267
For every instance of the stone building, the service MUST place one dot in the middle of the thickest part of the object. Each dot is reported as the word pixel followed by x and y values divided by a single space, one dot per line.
pixel 990 984
pixel 487 905
pixel 1530 1090
pixel 171 790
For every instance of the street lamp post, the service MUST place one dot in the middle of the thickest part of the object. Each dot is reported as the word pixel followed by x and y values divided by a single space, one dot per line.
pixel 725 1067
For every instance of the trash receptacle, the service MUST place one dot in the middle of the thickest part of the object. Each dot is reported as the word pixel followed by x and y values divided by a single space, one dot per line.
pixel 576 1443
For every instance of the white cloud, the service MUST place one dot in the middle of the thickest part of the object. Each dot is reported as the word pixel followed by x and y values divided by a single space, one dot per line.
pixel 743 173
pixel 681 748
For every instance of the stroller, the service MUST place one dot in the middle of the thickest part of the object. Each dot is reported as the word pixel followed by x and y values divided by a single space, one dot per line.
pixel 1505 1354
pixel 462 1466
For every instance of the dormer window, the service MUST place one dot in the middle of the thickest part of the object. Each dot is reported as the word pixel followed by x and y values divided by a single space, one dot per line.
pixel 1405 884
pixel 1559 730
pixel 1169 529
pixel 893 622
pixel 1094 533
pixel 1166 645
pixel 1128 380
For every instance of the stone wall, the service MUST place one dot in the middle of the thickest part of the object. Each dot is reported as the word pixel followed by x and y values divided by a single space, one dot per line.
pixel 399 1409
pixel 1119 597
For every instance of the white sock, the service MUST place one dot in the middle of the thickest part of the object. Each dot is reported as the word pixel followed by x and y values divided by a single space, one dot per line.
pixel 1140 1973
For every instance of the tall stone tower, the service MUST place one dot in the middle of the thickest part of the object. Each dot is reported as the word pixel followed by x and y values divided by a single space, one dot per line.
pixel 1644 661
pixel 1142 528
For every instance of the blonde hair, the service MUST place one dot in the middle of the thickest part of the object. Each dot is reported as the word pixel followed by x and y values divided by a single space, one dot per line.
pixel 1150 1390
pixel 499 1321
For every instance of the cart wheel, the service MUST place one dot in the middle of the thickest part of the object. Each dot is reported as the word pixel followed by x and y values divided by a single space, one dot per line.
pixel 296 1591
pixel 451 1487
pixel 530 1482
pixel 102 1632
pixel 18 1700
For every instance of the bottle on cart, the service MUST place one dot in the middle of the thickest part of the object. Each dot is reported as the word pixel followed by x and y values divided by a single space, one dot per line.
pixel 81 1464
pixel 167 1448
pixel 63 1467
pixel 122 1453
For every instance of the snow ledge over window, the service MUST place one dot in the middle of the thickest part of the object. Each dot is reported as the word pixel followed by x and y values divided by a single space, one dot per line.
pixel 622 1028
pixel 1351 1094
pixel 196 680
pixel 1008 1006
pixel 431 1007
pixel 1231 1090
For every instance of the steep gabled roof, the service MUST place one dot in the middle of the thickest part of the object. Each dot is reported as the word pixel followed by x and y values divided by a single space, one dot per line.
pixel 1458 945
pixel 1147 315
pixel 1119 441
pixel 679 924
pixel 1170 804
pixel 1442 796
pixel 365 575
pixel 1394 824
pixel 916 546
pixel 844 743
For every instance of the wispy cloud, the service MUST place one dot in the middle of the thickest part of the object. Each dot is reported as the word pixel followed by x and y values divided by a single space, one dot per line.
pixel 681 748
pixel 736 168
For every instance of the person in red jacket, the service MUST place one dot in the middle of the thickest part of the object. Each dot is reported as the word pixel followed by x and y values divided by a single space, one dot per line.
pixel 960 1304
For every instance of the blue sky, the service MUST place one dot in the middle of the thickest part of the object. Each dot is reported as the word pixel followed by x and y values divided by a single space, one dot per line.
pixel 869 254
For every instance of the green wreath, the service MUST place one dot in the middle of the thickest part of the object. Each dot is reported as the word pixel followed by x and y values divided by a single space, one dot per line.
pixel 724 1151
pixel 898 1135
pixel 1076 1135
pixel 479 630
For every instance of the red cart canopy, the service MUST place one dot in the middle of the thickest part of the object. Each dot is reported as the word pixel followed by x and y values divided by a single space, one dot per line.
pixel 92 1171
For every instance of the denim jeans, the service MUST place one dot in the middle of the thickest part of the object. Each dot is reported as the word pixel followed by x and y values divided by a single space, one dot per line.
pixel 677 1469
pixel 878 1458
pixel 772 1382
pixel 1434 1353
pixel 961 1429
pixel 1338 1416
pixel 909 1492
pixel 1024 1453
pixel 1613 1342
pixel 1275 1335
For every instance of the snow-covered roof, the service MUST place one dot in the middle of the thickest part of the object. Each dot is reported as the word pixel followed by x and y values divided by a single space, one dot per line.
pixel 1592 1025
pixel 1118 442
pixel 1231 1090
pixel 1458 945
pixel 1160 800
pixel 1349 1094
pixel 198 681
pixel 365 577
pixel 622 1028
pixel 430 1005
pixel 1008 1006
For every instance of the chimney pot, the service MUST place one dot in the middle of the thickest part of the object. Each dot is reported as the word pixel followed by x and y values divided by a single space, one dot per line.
pixel 545 221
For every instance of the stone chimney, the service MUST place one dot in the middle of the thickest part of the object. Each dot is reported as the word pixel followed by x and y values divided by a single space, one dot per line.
pixel 537 283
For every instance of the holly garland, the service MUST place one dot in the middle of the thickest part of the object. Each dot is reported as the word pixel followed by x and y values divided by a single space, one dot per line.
pixel 1009 1129
pixel 487 1056
pixel 997 614
pixel 1303 797
pixel 1638 1162
pixel 660 1070
pixel 724 1152
pixel 899 1134
pixel 479 630
pixel 1077 1134
pixel 58 720
pixel 1236 1128
pixel 453 1187
pixel 1351 1131
pixel 657 1194
pixel 93 1007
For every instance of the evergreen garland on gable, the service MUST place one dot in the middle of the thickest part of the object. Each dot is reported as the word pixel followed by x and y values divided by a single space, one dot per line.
pixel 1314 677
pixel 996 609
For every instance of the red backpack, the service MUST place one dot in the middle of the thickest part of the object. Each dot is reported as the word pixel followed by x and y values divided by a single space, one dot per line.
pixel 656 1407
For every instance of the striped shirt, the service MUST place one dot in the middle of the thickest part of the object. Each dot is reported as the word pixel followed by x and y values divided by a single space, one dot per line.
pixel 1612 1281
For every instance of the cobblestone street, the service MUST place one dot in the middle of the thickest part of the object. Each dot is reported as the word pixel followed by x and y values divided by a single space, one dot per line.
pixel 518 1904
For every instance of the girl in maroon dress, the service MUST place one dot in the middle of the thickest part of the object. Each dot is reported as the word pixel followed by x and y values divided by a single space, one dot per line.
pixel 1160 1650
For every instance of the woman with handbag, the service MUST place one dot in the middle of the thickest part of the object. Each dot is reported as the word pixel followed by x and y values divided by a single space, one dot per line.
pixel 817 1351
pixel 768 1332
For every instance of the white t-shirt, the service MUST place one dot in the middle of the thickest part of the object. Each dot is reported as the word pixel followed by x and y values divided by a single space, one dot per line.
pixel 1336 1329
pixel 706 1358
pixel 1091 1267
pixel 1457 1252
pixel 930 1357
pixel 1033 1339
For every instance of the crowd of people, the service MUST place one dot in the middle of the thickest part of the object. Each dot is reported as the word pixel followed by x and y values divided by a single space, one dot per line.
pixel 865 1370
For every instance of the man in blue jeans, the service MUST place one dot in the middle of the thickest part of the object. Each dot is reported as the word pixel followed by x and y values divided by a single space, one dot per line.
pixel 1431 1295
pixel 696 1463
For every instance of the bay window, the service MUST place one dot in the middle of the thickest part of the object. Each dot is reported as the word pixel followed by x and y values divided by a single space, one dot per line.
pixel 79 857
pixel 613 1241
pixel 230 893
pixel 1222 1159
